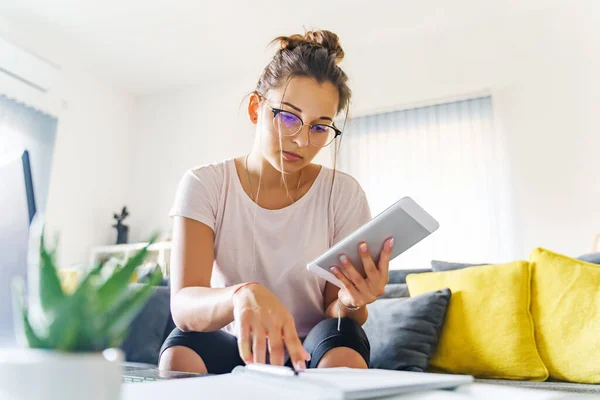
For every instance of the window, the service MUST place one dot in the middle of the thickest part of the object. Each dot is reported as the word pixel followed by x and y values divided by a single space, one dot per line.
pixel 24 128
pixel 450 159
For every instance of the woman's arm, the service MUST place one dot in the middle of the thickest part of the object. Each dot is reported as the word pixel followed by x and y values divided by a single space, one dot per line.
pixel 331 306
pixel 195 306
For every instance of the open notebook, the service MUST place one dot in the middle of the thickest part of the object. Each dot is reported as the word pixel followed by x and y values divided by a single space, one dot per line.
pixel 283 383
pixel 347 383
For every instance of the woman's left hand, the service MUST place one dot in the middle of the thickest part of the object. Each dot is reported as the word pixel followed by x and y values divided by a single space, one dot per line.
pixel 359 291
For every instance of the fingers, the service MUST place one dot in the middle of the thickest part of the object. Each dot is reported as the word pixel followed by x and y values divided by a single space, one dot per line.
pixel 244 340
pixel 348 285
pixel 259 347
pixel 384 259
pixel 276 354
pixel 353 274
pixel 298 353
pixel 368 263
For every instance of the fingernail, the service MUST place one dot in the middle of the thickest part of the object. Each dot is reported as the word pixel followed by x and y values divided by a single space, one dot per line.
pixel 308 359
pixel 300 366
pixel 391 243
pixel 363 247
pixel 332 269
pixel 343 259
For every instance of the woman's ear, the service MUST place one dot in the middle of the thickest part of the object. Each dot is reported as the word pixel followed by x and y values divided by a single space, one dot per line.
pixel 253 104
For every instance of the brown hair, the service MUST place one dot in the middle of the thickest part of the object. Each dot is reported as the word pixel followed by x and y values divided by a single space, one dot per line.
pixel 316 55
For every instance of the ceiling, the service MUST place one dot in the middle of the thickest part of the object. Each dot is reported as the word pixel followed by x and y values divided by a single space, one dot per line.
pixel 148 46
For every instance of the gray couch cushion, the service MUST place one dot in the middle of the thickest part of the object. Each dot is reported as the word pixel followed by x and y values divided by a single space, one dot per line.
pixel 399 275
pixel 440 266
pixel 395 291
pixel 591 258
pixel 404 332
pixel 149 329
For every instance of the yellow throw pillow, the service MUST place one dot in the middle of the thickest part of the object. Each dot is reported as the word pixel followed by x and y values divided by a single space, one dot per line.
pixel 488 330
pixel 565 305
pixel 69 279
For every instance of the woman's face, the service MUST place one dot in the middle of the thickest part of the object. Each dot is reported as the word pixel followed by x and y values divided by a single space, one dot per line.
pixel 314 103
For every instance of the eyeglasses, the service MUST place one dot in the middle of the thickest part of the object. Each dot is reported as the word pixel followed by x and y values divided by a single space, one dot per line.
pixel 289 124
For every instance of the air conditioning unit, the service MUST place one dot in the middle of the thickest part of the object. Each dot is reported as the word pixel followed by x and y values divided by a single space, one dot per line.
pixel 27 67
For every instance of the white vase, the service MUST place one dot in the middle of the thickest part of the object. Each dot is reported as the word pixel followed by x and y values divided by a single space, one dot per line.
pixel 51 375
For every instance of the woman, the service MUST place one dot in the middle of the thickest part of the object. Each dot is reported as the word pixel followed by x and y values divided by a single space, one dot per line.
pixel 244 230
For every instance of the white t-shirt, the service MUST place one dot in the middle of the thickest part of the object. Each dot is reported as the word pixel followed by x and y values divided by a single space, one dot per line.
pixel 272 247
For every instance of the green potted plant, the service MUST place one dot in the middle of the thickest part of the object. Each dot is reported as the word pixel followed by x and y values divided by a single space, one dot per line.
pixel 71 339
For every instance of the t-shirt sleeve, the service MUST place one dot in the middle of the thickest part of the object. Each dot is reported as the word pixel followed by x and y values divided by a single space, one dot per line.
pixel 352 210
pixel 197 196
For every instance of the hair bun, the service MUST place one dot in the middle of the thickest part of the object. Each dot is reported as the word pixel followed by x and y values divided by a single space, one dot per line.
pixel 322 38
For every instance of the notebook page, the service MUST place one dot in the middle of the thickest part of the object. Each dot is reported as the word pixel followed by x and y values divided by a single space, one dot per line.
pixel 355 380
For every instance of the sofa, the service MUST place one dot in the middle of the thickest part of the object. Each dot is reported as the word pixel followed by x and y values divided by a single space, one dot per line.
pixel 154 322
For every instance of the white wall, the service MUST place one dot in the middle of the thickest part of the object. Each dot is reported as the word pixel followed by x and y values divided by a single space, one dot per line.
pixel 91 163
pixel 92 166
pixel 174 132
pixel 541 69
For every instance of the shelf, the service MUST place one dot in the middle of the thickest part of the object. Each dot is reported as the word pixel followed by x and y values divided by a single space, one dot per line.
pixel 119 248
pixel 158 252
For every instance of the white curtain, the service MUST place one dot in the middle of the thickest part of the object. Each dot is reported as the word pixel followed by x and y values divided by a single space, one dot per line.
pixel 24 128
pixel 448 158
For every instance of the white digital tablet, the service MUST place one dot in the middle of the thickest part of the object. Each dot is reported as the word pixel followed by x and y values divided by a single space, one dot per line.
pixel 405 221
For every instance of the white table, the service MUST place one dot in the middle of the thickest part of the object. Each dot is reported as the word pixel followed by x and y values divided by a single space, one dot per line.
pixel 223 387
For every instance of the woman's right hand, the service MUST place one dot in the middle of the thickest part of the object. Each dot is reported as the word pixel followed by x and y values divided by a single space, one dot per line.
pixel 260 316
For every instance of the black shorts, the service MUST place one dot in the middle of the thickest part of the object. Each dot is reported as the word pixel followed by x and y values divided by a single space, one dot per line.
pixel 219 349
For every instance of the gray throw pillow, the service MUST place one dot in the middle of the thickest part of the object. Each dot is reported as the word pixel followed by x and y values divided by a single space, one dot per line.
pixel 440 266
pixel 395 291
pixel 404 332
pixel 399 275
pixel 591 258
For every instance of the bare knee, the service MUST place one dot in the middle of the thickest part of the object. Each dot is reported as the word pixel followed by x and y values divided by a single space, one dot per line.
pixel 180 358
pixel 342 357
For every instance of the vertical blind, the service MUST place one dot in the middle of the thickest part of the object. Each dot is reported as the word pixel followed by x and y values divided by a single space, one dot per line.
pixel 24 128
pixel 448 158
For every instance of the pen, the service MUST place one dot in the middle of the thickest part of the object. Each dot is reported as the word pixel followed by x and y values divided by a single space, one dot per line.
pixel 272 369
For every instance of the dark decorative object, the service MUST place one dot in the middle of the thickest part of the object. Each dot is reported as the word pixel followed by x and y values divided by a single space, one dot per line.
pixel 122 230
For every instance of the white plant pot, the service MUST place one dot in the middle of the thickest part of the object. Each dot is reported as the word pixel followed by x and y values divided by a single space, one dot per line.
pixel 45 374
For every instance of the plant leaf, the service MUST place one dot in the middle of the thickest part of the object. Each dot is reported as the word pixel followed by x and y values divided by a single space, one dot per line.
pixel 121 315
pixel 59 323
pixel 22 315
pixel 69 338
pixel 72 323
pixel 54 250
pixel 114 286
pixel 32 340
pixel 95 315
pixel 51 293
pixel 86 282
pixel 80 331
pixel 75 323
